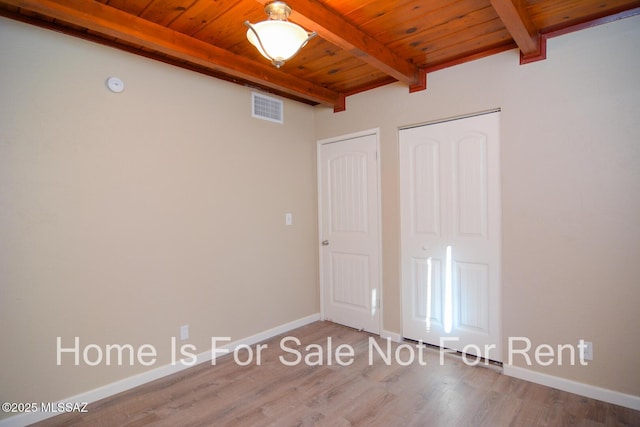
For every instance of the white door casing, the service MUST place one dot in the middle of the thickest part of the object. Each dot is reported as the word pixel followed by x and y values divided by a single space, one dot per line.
pixel 349 230
pixel 450 221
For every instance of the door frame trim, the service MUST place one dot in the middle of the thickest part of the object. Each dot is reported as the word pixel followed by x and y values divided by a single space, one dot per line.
pixel 450 119
pixel 336 139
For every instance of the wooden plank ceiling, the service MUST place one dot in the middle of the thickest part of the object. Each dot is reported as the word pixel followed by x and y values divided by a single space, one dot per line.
pixel 361 44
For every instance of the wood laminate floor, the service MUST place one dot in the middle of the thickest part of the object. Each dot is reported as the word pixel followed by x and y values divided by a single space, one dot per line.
pixel 368 392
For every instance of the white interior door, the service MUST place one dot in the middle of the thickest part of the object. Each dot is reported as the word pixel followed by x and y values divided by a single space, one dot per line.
pixel 349 231
pixel 450 204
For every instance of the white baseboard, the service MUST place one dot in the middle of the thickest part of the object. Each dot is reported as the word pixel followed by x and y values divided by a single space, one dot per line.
pixel 586 390
pixel 391 335
pixel 153 374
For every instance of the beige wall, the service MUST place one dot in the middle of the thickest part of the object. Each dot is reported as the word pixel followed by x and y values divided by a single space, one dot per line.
pixel 124 216
pixel 570 160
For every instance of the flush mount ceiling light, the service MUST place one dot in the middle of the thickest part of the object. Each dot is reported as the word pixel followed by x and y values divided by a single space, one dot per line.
pixel 277 39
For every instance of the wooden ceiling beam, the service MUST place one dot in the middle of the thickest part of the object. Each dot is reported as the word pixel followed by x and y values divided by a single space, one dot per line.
pixel 515 18
pixel 313 16
pixel 112 22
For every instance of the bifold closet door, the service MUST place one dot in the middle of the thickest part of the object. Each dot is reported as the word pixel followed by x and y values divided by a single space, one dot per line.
pixel 450 216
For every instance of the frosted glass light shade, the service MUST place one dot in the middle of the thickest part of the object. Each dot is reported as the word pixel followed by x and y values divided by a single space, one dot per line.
pixel 278 40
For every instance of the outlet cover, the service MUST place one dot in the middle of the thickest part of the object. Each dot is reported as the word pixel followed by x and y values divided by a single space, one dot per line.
pixel 586 350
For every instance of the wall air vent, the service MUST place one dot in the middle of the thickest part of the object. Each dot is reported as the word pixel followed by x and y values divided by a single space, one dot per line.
pixel 266 108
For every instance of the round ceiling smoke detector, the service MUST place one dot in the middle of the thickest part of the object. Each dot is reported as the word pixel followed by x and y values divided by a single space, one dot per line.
pixel 115 84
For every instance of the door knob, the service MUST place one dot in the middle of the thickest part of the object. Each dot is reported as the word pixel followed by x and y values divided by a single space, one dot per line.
pixel 325 243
